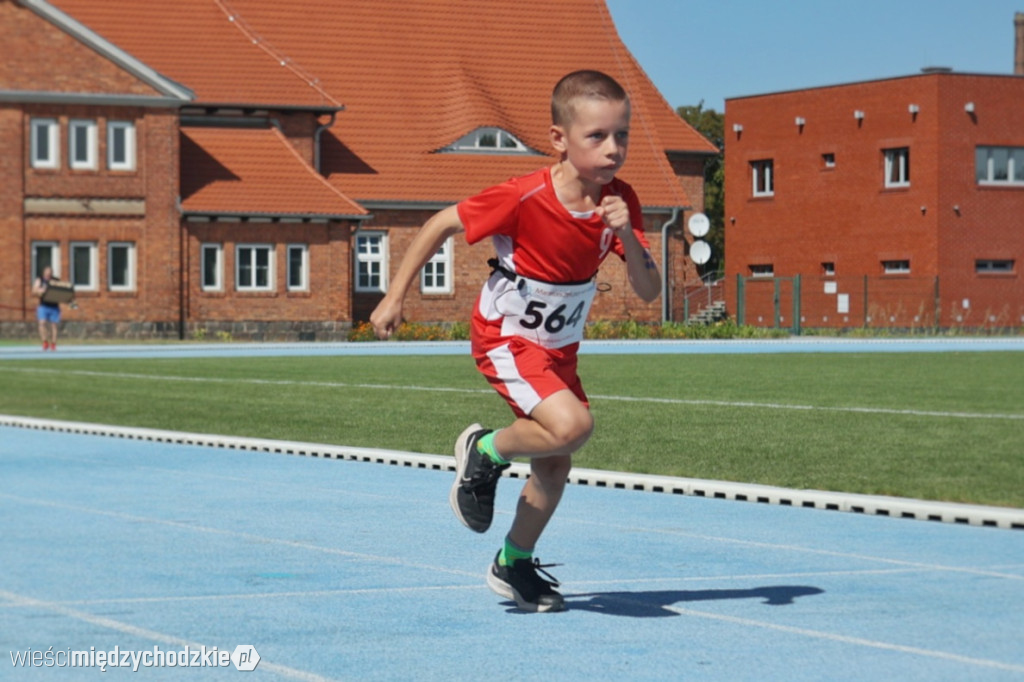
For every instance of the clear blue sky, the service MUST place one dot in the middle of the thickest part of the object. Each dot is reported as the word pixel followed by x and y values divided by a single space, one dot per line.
pixel 709 50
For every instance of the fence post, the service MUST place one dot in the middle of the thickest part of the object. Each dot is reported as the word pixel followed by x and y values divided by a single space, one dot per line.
pixel 740 300
pixel 776 302
pixel 796 305
pixel 938 305
pixel 865 301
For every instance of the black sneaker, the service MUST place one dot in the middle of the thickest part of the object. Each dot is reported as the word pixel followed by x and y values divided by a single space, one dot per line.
pixel 476 479
pixel 521 583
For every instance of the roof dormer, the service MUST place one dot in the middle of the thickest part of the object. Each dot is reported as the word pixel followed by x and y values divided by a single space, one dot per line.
pixel 489 140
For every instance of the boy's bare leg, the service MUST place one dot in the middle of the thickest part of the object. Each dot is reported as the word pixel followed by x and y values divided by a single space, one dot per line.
pixel 540 497
pixel 559 426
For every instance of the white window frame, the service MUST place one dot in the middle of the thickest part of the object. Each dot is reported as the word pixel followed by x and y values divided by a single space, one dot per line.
pixel 985 166
pixel 896 266
pixel 765 270
pixel 128 285
pixel 127 128
pixel 371 266
pixel 90 282
pixel 54 248
pixel 436 275
pixel 490 140
pixel 897 167
pixel 254 250
pixel 218 267
pixel 48 129
pixel 76 128
pixel 762 175
pixel 303 271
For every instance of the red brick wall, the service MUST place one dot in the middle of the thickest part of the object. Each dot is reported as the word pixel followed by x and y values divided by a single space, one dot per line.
pixel 846 216
pixel 329 294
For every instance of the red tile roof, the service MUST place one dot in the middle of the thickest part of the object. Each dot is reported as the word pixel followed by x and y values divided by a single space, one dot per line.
pixel 253 171
pixel 413 76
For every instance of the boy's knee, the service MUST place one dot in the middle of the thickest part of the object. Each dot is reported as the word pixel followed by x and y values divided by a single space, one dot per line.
pixel 574 430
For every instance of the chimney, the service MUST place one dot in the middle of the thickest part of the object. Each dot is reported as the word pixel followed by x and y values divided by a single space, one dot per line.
pixel 1018 61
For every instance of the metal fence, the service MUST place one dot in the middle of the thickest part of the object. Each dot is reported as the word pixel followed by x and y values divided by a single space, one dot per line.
pixel 906 303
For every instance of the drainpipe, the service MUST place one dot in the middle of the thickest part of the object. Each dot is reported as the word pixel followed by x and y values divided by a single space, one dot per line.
pixel 666 296
pixel 320 128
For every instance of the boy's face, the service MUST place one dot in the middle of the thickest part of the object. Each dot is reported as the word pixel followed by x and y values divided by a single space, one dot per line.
pixel 596 140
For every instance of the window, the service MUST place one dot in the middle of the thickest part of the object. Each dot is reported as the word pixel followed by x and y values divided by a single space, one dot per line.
pixel 897 167
pixel 491 140
pixel 45 255
pixel 828 269
pixel 435 278
pixel 999 165
pixel 121 145
pixel 298 267
pixel 83 265
pixel 896 267
pixel 828 160
pixel 44 143
pixel 211 264
pixel 254 267
pixel 762 270
pixel 371 259
pixel 993 266
pixel 762 173
pixel 82 144
pixel 121 266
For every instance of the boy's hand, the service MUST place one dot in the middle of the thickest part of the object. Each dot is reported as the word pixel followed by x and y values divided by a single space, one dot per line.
pixel 614 212
pixel 385 318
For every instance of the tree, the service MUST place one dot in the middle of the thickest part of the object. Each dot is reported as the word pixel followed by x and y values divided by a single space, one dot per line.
pixel 711 124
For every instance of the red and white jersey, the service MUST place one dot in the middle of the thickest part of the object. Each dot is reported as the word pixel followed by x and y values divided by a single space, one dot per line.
pixel 554 252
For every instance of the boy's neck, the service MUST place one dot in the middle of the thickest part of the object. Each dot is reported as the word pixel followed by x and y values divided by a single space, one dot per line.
pixel 572 191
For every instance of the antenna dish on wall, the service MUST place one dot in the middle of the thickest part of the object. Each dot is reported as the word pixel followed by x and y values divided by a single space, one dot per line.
pixel 699 225
pixel 700 252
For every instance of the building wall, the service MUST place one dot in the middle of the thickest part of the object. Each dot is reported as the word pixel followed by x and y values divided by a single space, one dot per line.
pixel 845 215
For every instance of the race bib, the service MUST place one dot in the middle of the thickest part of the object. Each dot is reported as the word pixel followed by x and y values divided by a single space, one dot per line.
pixel 550 315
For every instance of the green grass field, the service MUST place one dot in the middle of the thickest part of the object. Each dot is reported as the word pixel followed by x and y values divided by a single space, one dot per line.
pixel 944 426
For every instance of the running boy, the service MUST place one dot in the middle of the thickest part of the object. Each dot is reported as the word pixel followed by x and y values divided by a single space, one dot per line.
pixel 551 230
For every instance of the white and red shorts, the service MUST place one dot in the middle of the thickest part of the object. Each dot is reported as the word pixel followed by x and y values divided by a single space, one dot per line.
pixel 524 373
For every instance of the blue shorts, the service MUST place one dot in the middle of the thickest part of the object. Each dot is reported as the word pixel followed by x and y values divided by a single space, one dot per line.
pixel 48 313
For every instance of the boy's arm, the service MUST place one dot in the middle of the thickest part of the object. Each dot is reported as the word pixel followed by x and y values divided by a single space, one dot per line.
pixel 640 266
pixel 388 314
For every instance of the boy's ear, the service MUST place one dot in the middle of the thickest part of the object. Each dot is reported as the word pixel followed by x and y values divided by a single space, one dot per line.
pixel 557 134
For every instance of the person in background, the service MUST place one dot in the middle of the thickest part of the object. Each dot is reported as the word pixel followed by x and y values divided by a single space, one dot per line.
pixel 48 314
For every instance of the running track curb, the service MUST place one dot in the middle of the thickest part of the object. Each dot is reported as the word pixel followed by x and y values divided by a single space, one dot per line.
pixel 924 510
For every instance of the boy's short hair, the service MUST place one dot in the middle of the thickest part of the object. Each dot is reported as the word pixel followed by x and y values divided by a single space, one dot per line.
pixel 586 83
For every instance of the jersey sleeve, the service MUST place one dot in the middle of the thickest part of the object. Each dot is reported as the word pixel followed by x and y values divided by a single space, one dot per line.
pixel 492 212
pixel 636 219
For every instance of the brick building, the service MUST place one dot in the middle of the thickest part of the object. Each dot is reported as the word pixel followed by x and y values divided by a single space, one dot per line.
pixel 250 166
pixel 898 203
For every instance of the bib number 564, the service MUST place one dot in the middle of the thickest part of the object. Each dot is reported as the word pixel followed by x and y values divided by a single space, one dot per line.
pixel 553 321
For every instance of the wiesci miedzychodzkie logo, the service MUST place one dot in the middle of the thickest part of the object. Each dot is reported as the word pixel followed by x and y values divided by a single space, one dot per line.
pixel 244 657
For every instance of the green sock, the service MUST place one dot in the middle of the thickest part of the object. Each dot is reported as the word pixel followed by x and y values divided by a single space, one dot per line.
pixel 486 447
pixel 511 551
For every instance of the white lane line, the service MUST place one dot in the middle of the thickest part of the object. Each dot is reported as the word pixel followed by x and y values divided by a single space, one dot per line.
pixel 250 537
pixel 917 565
pixel 448 389
pixel 845 639
pixel 145 633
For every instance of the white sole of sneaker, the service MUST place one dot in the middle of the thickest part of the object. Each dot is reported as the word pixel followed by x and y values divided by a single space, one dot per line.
pixel 503 589
pixel 460 470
